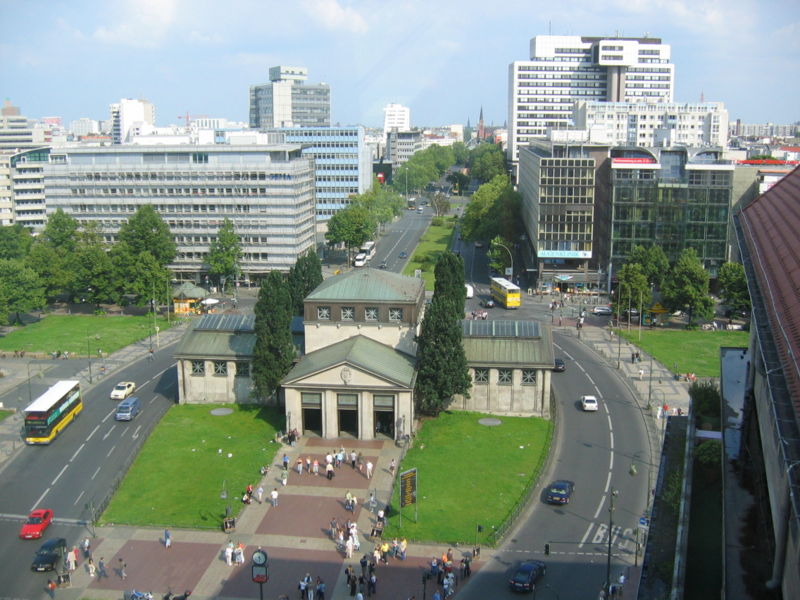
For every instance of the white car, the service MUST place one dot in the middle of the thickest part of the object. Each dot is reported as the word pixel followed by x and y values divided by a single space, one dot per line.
pixel 602 310
pixel 122 390
pixel 589 403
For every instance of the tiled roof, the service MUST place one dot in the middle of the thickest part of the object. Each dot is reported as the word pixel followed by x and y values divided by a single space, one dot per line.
pixel 374 285
pixel 771 228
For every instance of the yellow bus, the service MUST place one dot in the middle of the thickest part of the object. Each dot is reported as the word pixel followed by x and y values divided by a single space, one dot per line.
pixel 51 412
pixel 506 293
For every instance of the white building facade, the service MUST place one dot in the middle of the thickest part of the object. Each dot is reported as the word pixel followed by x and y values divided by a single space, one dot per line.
pixel 288 101
pixel 126 114
pixel 564 69
pixel 396 117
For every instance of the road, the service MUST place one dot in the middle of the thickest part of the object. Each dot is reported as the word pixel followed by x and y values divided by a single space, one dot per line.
pixel 78 469
pixel 401 236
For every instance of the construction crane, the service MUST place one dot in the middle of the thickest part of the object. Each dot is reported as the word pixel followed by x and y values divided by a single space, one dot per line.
pixel 187 118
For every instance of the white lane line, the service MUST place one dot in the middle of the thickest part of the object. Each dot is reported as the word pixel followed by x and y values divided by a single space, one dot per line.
pixel 588 530
pixel 153 399
pixel 96 472
pixel 136 433
pixel 76 452
pixel 113 427
pixel 599 507
pixel 608 482
pixel 594 385
pixel 107 416
pixel 611 462
pixel 35 504
pixel 60 473
pixel 93 432
pixel 110 451
pixel 78 498
pixel 608 416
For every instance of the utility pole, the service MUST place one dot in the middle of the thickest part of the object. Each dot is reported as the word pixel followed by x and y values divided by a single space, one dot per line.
pixel 610 536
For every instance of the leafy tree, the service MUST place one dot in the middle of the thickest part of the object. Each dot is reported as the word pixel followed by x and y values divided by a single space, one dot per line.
pixel 488 162
pixel 94 279
pixel 273 352
pixel 224 254
pixel 460 181
pixel 382 203
pixel 709 454
pixel 499 257
pixel 304 277
pixel 493 210
pixel 15 241
pixel 440 204
pixel 449 281
pixel 460 153
pixel 55 269
pixel 21 289
pixel 733 284
pixel 352 226
pixel 654 262
pixel 137 275
pixel 686 286
pixel 442 365
pixel 61 232
pixel 146 231
pixel 633 287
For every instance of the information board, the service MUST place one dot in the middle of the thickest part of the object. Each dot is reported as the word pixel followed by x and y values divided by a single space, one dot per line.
pixel 408 487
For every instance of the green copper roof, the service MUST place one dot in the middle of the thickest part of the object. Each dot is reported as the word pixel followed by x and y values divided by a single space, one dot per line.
pixel 368 284
pixel 361 352
pixel 211 344
pixel 509 344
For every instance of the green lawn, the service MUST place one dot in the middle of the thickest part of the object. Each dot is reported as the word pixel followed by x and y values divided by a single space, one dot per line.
pixel 177 479
pixel 469 474
pixel 4 414
pixel 693 351
pixel 434 241
pixel 78 333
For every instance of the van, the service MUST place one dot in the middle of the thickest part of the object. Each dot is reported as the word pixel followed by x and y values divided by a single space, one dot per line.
pixel 470 290
pixel 128 409
pixel 360 260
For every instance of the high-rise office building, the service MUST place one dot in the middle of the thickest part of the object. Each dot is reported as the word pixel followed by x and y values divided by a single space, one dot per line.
pixel 126 114
pixel 396 117
pixel 564 69
pixel 288 101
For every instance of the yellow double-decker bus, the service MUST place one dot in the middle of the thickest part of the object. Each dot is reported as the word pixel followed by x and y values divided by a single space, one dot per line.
pixel 51 412
pixel 505 292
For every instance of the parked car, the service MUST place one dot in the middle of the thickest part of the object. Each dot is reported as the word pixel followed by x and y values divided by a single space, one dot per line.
pixel 589 403
pixel 559 492
pixel 49 555
pixel 122 390
pixel 35 525
pixel 527 574
pixel 559 365
pixel 602 310
pixel 403 254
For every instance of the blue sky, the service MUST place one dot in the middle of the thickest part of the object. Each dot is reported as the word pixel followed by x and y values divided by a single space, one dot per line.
pixel 443 58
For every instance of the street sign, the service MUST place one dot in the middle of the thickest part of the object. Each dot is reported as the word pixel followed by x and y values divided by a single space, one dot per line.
pixel 509 271
pixel 408 487
pixel 644 523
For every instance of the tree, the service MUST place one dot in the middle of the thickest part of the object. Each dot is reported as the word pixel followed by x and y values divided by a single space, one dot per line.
pixel 449 282
pixel 55 269
pixel 493 210
pixel 487 162
pixel 273 353
pixel 686 287
pixel 304 277
pixel 733 285
pixel 499 257
pixel 460 181
pixel 224 254
pixel 146 231
pixel 633 287
pixel 137 275
pixel 15 241
pixel 94 278
pixel 654 262
pixel 440 204
pixel 460 153
pixel 61 232
pixel 21 290
pixel 442 365
pixel 352 226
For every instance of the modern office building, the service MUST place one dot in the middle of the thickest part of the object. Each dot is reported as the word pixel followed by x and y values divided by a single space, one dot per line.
pixel 288 101
pixel 128 114
pixel 562 210
pixel 402 145
pixel 659 124
pixel 17 132
pixel 396 117
pixel 565 69
pixel 28 187
pixel 84 126
pixel 674 197
pixel 266 191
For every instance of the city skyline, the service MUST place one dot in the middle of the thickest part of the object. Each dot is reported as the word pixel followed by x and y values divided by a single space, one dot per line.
pixel 444 60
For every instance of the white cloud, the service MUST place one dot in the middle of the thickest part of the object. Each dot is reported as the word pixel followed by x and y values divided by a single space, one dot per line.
pixel 202 37
pixel 141 23
pixel 330 14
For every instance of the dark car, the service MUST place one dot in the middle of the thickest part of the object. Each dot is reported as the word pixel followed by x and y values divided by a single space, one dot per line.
pixel 487 303
pixel 382 265
pixel 526 575
pixel 49 555
pixel 559 365
pixel 559 492
pixel 403 254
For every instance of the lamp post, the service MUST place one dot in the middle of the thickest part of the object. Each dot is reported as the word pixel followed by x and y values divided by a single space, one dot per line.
pixel 89 356
pixel 30 396
pixel 650 383
pixel 509 255
pixel 614 494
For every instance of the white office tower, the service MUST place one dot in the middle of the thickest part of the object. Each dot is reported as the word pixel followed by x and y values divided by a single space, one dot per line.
pixel 288 101
pixel 563 69
pixel 84 126
pixel 396 117
pixel 128 114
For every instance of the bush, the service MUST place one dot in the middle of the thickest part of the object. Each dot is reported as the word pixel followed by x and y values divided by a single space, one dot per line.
pixel 709 455
pixel 706 401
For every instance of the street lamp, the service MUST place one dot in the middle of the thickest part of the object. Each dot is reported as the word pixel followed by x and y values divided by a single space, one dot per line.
pixel 614 494
pixel 509 255
pixel 89 356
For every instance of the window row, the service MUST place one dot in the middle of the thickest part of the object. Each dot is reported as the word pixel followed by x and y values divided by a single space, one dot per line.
pixel 504 376
pixel 348 313
pixel 220 368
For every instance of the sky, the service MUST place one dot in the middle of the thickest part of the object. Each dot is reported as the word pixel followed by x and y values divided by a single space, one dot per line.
pixel 445 59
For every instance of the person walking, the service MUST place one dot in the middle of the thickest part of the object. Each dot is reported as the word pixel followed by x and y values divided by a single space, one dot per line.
pixel 229 555
pixel 284 476
pixel 101 568
pixel 372 585
pixel 392 467
pixel 320 588
pixel 167 539
pixel 369 469
pixel 299 465
pixel 274 495
pixel 122 569
pixel 51 588
pixel 285 462
pixel 329 471
pixel 315 467
pixel 348 547
pixel 260 493
pixel 91 568
pixel 86 548
pixel 353 458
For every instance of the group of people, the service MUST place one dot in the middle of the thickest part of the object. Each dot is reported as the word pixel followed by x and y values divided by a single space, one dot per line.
pixel 364 584
pixel 443 569
pixel 333 460
pixel 311 589
pixel 250 493
pixel 234 554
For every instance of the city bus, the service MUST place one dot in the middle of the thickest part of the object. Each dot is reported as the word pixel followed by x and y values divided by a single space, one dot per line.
pixel 51 412
pixel 368 249
pixel 505 292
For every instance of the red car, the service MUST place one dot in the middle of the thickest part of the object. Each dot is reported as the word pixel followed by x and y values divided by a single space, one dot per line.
pixel 37 522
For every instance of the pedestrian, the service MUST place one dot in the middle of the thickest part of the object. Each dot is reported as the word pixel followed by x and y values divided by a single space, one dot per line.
pixel 348 547
pixel 274 495
pixel 364 562
pixel 229 555
pixel 320 588
pixel 633 357
pixel 86 547
pixel 392 467
pixel 285 461
pixel 329 471
pixel 348 500
pixel 303 586
pixel 315 467
pixel 308 464
pixel 403 546
pixel 91 568
pixel 101 568
pixel 260 493
pixel 167 539
pixel 353 457
pixel 284 476
pixel 467 565
pixel 299 465
pixel 369 469
pixel 51 588
pixel 122 568
pixel 641 374
pixel 372 585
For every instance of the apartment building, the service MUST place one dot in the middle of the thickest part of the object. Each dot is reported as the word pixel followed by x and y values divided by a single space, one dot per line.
pixel 401 145
pixel 127 115
pixel 288 101
pixel 267 191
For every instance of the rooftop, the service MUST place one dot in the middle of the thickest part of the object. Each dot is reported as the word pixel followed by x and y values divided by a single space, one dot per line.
pixel 369 285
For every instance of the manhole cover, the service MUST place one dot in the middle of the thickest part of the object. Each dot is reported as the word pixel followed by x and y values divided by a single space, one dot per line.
pixel 221 412
pixel 490 422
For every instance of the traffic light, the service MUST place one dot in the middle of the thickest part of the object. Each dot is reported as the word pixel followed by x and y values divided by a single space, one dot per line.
pixel 547 549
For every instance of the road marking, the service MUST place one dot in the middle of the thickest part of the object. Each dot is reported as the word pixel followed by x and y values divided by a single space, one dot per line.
pixel 64 468
pixel 594 385
pixel 96 472
pixel 599 507
pixel 93 432
pixel 78 498
pixel 107 416
pixel 588 529
pixel 76 452
pixel 113 427
pixel 611 455
pixel 608 482
pixel 135 435
pixel 35 504
pixel 600 535
pixel 609 419
pixel 627 534
pixel 110 451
